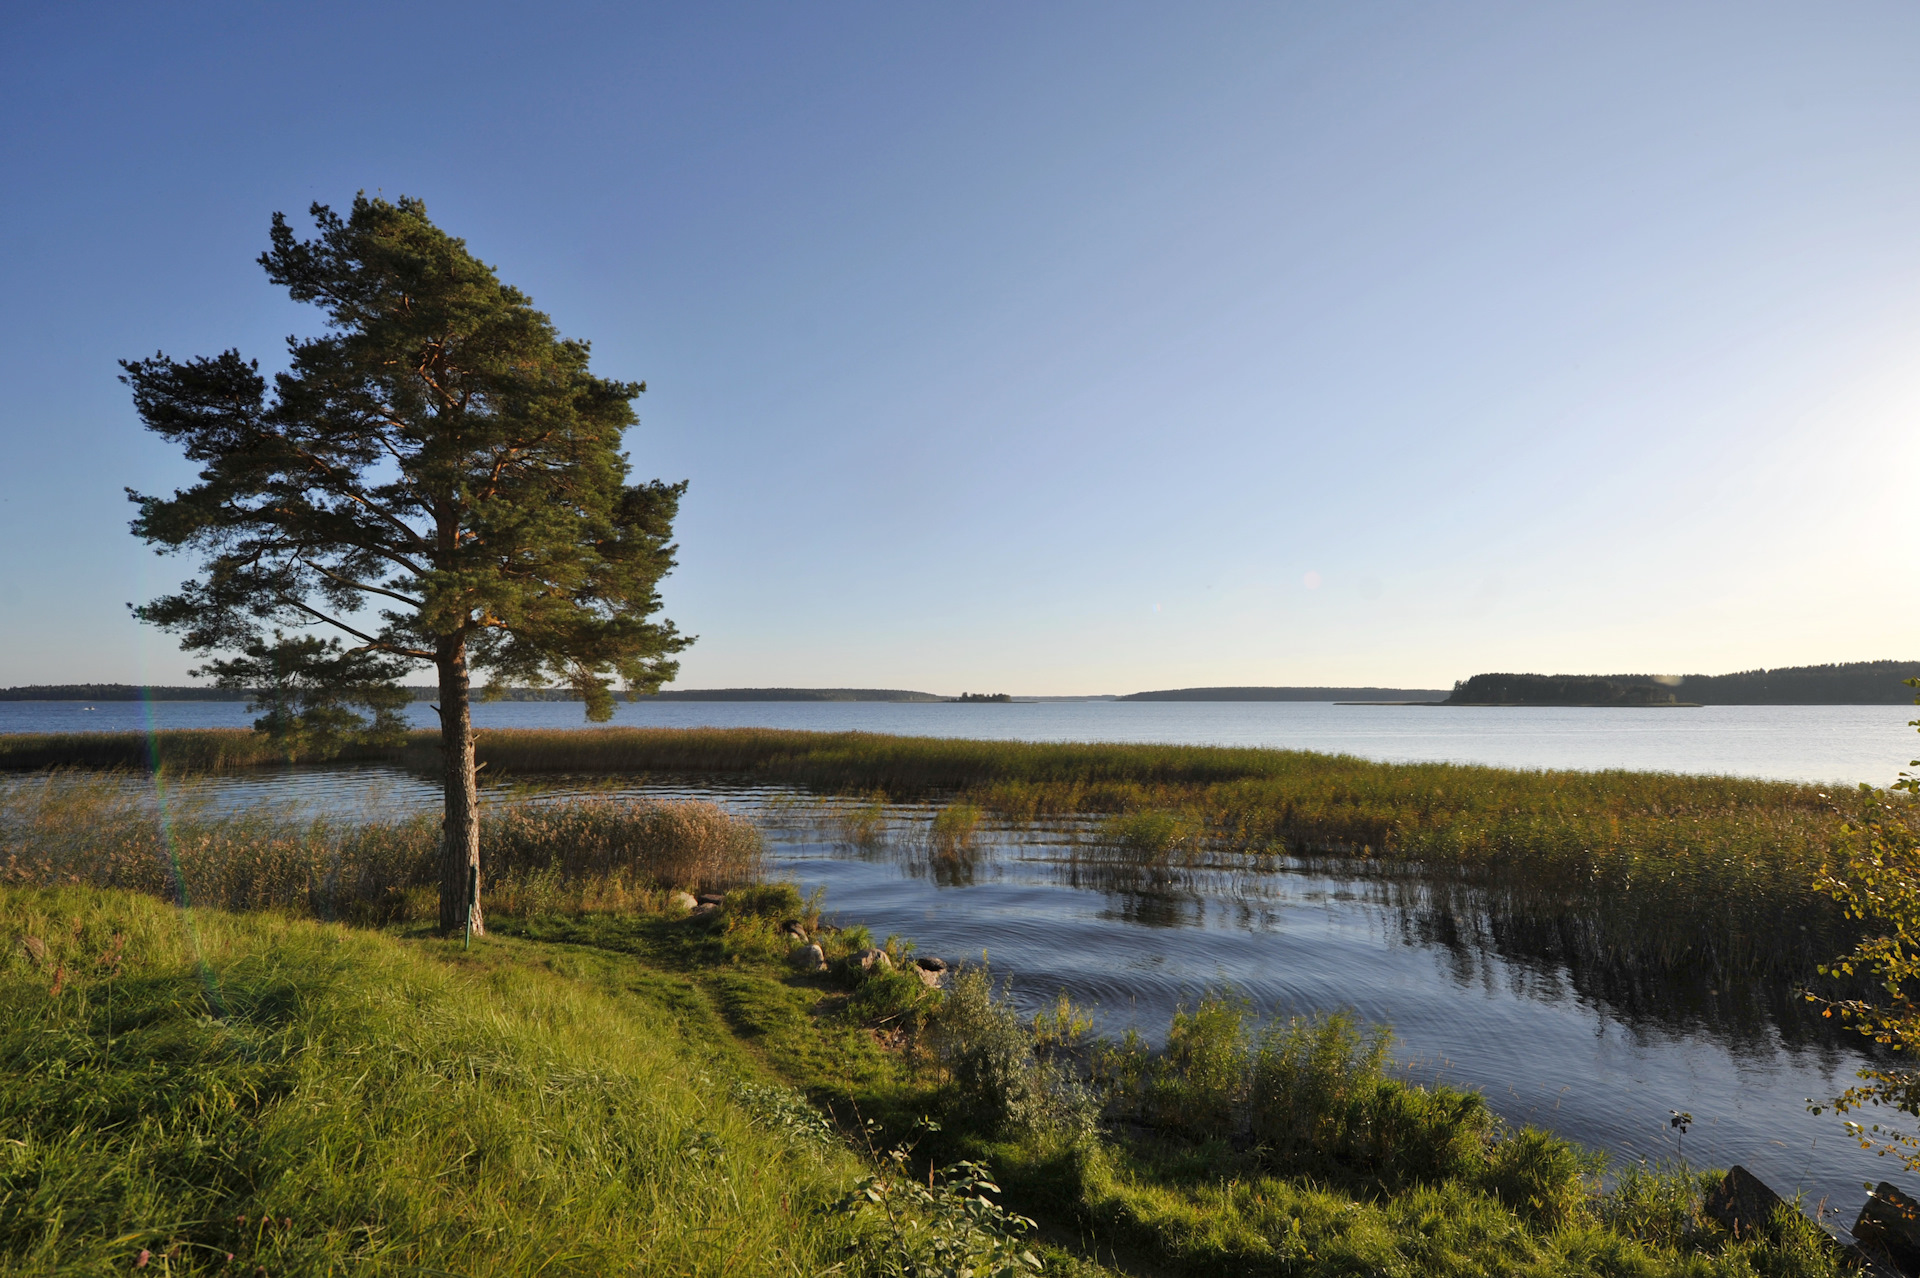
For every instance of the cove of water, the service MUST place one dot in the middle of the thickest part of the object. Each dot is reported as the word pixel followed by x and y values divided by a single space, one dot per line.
pixel 1844 744
pixel 1134 943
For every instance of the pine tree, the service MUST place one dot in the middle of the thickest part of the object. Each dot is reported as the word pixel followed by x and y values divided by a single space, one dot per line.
pixel 436 478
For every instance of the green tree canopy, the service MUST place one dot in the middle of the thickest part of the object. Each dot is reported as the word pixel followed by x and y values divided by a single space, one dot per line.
pixel 1875 875
pixel 436 478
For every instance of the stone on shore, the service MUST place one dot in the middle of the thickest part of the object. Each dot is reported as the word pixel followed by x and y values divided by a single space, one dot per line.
pixel 1890 1225
pixel 1743 1203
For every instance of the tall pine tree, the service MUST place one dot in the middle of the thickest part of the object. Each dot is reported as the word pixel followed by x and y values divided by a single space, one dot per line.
pixel 436 478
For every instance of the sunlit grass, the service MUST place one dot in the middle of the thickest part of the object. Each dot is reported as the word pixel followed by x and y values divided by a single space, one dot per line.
pixel 258 1094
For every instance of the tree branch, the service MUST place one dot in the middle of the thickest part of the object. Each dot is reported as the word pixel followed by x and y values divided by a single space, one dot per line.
pixel 371 642
pixel 359 585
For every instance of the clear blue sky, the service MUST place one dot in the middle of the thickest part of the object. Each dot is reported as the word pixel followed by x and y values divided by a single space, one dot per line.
pixel 1058 348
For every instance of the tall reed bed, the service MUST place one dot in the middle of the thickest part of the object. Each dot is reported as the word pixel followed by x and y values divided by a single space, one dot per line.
pixel 110 830
pixel 1638 875
pixel 1633 875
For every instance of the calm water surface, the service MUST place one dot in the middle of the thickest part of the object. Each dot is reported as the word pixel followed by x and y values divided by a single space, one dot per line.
pixel 1845 744
pixel 1135 943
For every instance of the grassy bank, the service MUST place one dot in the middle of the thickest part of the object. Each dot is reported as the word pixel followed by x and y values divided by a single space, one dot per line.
pixel 253 1094
pixel 597 1093
pixel 1632 879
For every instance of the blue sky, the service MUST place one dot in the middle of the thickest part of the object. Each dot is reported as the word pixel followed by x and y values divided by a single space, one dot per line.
pixel 1058 348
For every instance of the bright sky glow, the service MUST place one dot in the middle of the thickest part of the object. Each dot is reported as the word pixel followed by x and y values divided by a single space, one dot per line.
pixel 1059 348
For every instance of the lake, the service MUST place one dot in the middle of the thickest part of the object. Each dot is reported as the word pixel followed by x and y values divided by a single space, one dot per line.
pixel 1845 744
pixel 1133 942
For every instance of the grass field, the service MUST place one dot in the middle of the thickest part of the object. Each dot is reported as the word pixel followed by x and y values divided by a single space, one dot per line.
pixel 635 1092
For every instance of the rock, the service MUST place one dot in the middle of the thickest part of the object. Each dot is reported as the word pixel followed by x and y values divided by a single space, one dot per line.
pixel 1890 1225
pixel 928 977
pixel 873 961
pixel 681 901
pixel 705 908
pixel 1743 1203
pixel 794 932
pixel 712 898
pixel 809 958
pixel 928 963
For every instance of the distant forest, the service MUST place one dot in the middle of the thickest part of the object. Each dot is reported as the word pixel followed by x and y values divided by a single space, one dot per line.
pixel 1854 683
pixel 1289 694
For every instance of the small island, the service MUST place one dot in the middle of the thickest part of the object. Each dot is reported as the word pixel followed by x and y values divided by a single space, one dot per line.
pixel 971 698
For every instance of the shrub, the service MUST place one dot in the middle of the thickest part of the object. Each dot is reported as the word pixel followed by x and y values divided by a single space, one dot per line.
pixel 779 903
pixel 1538 1175
pixel 895 999
pixel 999 1086
pixel 1198 1080
pixel 1149 832
pixel 1318 1091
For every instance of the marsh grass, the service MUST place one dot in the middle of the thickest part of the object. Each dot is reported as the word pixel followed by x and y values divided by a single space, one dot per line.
pixel 1635 879
pixel 107 830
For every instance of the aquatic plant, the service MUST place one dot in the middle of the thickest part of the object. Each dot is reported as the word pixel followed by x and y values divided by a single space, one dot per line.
pixel 1629 878
pixel 103 830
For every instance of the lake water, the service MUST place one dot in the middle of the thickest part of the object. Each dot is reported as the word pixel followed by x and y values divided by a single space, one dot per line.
pixel 1846 744
pixel 1133 943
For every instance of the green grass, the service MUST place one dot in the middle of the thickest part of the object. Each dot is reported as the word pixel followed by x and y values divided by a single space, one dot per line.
pixel 611 1092
pixel 314 1099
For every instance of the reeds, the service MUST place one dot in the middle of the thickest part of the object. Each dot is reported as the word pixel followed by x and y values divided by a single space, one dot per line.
pixel 1635 876
pixel 105 830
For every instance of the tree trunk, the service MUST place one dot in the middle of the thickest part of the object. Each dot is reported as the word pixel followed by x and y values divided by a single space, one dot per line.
pixel 460 840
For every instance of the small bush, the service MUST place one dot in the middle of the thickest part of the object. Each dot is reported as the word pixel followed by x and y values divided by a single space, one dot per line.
pixel 1061 1028
pixel 1197 1082
pixel 894 999
pixel 1000 1086
pixel 1307 1073
pixel 1319 1091
pixel 775 902
pixel 1537 1174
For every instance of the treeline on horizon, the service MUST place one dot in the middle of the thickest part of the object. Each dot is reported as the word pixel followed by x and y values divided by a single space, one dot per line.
pixel 1845 683
pixel 1848 683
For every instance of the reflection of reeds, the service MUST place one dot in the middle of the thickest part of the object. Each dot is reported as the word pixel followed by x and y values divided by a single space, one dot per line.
pixel 104 830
